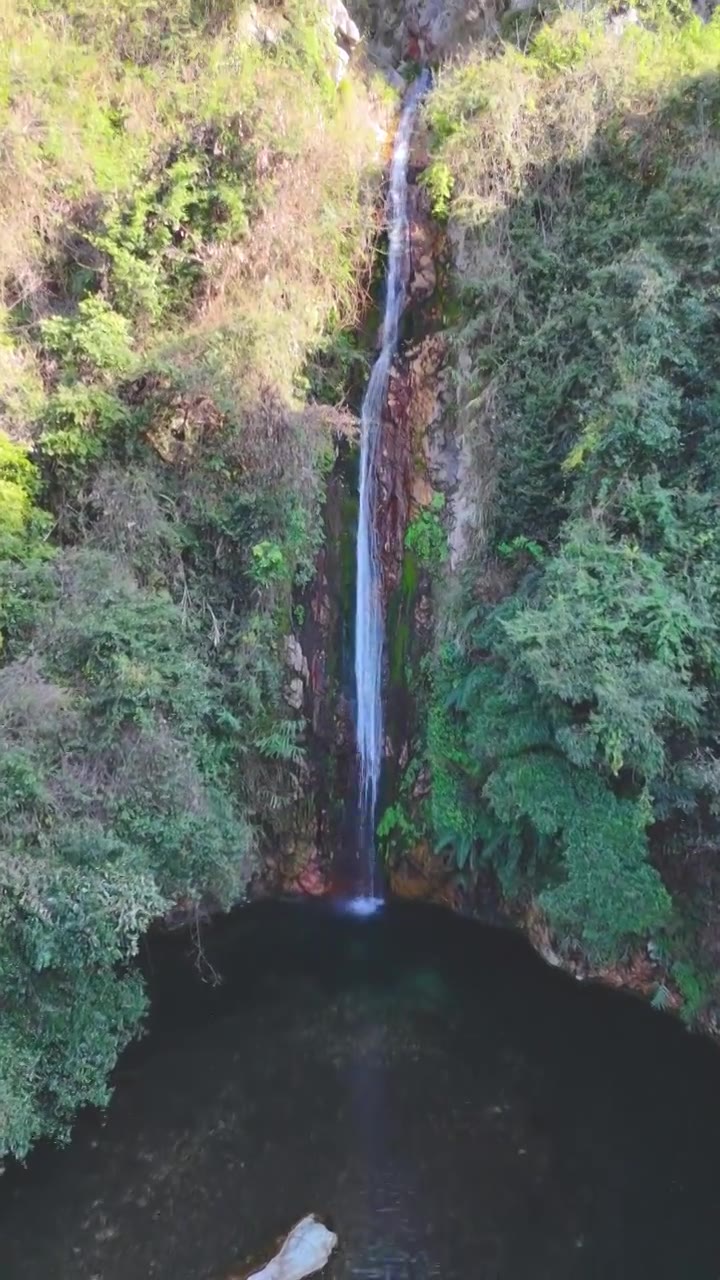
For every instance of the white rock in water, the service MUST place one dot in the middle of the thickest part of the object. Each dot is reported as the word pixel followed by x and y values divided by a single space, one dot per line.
pixel 306 1250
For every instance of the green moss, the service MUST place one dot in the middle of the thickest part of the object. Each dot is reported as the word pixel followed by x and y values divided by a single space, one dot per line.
pixel 400 620
pixel 399 647
pixel 410 575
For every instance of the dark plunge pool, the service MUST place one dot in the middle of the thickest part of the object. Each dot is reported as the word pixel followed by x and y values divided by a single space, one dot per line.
pixel 451 1106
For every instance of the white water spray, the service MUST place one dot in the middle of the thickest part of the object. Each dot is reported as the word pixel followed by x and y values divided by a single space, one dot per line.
pixel 369 631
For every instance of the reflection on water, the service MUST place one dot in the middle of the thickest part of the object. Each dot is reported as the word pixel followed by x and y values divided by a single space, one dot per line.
pixel 450 1106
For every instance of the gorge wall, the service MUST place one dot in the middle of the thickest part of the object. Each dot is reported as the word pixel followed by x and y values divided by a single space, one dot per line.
pixel 187 326
pixel 531 775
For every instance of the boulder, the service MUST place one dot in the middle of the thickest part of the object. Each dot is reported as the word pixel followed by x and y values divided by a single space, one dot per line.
pixel 254 28
pixel 422 876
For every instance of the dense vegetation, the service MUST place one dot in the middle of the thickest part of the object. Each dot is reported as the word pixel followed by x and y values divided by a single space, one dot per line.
pixel 184 204
pixel 183 221
pixel 574 711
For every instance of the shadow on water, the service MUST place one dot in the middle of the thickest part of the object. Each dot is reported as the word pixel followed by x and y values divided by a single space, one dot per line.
pixel 451 1106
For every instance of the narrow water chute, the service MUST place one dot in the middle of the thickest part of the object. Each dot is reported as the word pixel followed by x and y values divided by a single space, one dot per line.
pixel 369 628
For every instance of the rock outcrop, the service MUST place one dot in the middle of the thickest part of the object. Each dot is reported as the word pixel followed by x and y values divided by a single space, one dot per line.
pixel 422 30
pixel 345 33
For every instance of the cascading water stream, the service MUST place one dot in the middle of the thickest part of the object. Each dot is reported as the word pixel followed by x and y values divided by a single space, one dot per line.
pixel 369 629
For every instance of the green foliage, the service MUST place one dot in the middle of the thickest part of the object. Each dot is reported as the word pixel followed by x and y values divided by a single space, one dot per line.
pixel 17 469
pixel 439 183
pixel 78 426
pixel 337 364
pixel 283 742
pixel 396 831
pixel 609 629
pixel 153 240
pixel 182 230
pixel 696 988
pixel 565 735
pixel 454 818
pixel 565 43
pixel 425 536
pixel 116 766
pixel 23 525
pixel 513 786
pixel 520 545
pixel 95 339
pixel 268 563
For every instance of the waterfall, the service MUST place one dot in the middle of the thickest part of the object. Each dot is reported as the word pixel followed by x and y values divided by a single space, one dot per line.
pixel 369 630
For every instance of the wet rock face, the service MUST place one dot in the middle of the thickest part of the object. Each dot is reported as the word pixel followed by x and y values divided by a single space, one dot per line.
pixel 415 403
pixel 415 392
pixel 318 660
pixel 437 26
pixel 425 446
pixel 423 877
pixel 423 247
pixel 298 673
pixel 299 867
pixel 394 482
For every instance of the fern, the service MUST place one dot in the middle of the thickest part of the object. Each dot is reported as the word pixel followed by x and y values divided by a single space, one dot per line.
pixel 282 742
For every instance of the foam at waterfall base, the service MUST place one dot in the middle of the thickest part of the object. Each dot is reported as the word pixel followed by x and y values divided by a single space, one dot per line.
pixel 361 906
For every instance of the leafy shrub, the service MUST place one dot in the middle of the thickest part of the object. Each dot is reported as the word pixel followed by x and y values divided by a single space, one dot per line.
pixel 22 523
pixel 95 339
pixel 425 536
pixel 78 425
pixel 439 183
